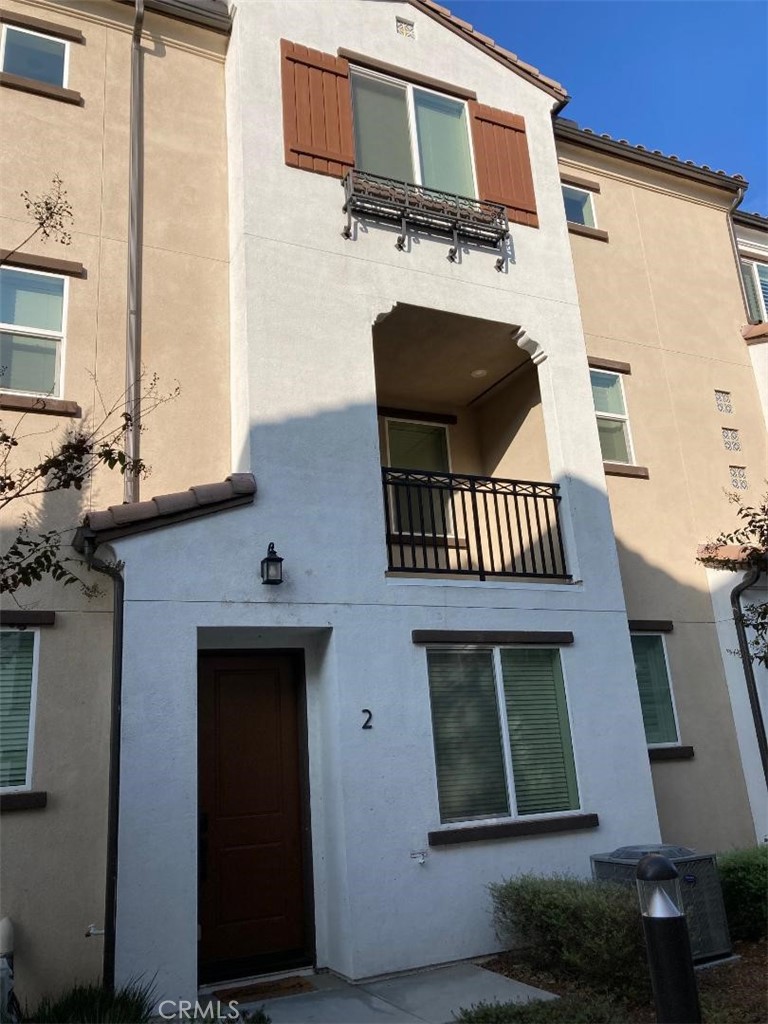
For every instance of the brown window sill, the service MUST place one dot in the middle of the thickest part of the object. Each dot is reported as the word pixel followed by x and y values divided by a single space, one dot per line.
pixel 574 179
pixel 37 404
pixel 670 753
pixel 512 829
pixel 16 258
pixel 582 229
pixel 53 92
pixel 23 801
pixel 48 28
pixel 20 618
pixel 620 469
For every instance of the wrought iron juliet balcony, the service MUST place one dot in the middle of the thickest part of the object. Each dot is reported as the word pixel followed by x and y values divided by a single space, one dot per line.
pixel 472 525
pixel 414 206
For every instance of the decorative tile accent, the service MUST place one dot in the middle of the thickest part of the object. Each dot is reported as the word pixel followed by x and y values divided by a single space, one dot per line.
pixel 731 440
pixel 405 28
pixel 723 401
pixel 739 478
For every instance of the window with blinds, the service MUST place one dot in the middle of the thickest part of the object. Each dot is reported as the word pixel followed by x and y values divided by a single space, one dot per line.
pixel 501 732
pixel 655 691
pixel 755 277
pixel 17 660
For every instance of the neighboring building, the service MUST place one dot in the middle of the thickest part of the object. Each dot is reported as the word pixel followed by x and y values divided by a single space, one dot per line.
pixel 752 241
pixel 443 690
pixel 64 108
pixel 680 425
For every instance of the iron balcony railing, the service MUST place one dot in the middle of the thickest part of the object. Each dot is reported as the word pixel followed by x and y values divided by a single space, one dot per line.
pixel 414 206
pixel 472 525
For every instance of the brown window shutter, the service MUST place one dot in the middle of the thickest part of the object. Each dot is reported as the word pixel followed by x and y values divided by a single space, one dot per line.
pixel 502 162
pixel 317 110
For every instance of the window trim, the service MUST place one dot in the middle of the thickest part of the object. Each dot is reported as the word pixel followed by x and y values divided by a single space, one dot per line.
pixel 501 711
pixel 34 332
pixel 356 69
pixel 753 264
pixel 669 744
pixel 590 196
pixel 27 786
pixel 6 28
pixel 617 419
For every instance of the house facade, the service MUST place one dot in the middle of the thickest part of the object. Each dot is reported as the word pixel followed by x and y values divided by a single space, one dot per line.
pixel 443 414
pixel 687 427
pixel 65 109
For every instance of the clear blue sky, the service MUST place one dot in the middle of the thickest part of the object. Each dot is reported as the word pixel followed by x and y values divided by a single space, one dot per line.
pixel 688 77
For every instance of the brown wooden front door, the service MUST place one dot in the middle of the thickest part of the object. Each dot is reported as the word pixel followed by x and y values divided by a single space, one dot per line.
pixel 252 856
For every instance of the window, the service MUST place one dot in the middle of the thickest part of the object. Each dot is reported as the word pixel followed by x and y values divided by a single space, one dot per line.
pixel 418 446
pixel 31 331
pixel 655 691
pixel 612 422
pixel 411 134
pixel 18 661
pixel 755 277
pixel 579 208
pixel 36 56
pixel 501 733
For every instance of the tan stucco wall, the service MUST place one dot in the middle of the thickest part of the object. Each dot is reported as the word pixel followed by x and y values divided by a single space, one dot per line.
pixel 663 295
pixel 53 860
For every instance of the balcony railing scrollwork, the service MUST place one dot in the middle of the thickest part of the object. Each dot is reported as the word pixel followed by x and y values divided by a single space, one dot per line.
pixel 414 206
pixel 472 525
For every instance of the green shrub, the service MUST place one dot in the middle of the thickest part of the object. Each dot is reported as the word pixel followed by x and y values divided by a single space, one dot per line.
pixel 588 930
pixel 93 1004
pixel 744 875
pixel 568 1010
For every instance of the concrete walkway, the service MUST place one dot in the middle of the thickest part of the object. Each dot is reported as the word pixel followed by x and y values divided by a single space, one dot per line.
pixel 425 997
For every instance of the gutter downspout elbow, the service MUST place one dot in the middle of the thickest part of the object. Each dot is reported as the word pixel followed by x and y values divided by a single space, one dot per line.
pixel 752 576
pixel 113 807
pixel 135 209
pixel 735 247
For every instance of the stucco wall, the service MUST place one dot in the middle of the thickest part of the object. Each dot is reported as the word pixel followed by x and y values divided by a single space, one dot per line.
pixel 663 295
pixel 305 423
pixel 54 859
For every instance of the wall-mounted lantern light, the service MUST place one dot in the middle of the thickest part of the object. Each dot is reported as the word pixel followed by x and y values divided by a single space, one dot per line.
pixel 272 566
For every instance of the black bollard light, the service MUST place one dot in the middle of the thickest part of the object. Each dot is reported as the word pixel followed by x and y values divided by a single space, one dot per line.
pixel 667 942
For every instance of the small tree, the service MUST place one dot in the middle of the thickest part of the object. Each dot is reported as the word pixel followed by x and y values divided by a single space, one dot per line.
pixel 74 455
pixel 69 464
pixel 752 538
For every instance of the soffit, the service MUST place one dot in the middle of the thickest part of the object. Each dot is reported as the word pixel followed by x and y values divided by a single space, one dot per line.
pixel 426 357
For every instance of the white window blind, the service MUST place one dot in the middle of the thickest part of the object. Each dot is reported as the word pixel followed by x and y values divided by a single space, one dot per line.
pixel 17 656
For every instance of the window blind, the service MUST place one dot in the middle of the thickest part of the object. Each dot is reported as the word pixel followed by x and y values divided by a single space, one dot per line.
pixel 655 694
pixel 16 665
pixel 471 780
pixel 539 733
pixel 753 302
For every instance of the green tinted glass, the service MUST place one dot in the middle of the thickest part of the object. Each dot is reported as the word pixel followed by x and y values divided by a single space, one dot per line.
pixel 655 694
pixel 382 137
pixel 613 440
pixel 441 126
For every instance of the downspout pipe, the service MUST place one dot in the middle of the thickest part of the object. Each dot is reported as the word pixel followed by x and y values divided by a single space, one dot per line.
pixel 113 805
pixel 735 247
pixel 751 577
pixel 135 204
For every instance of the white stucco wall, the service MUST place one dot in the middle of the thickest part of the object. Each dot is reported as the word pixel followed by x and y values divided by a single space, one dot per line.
pixel 304 420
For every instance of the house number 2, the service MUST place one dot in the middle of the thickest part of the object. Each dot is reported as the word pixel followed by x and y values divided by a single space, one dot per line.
pixel 368 718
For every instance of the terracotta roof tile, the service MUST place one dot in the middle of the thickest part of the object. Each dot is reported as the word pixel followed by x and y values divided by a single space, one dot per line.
pixel 166 509
pixel 569 131
pixel 440 13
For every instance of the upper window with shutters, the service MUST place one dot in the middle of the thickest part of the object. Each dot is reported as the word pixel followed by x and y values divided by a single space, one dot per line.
pixel 407 150
pixel 755 276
